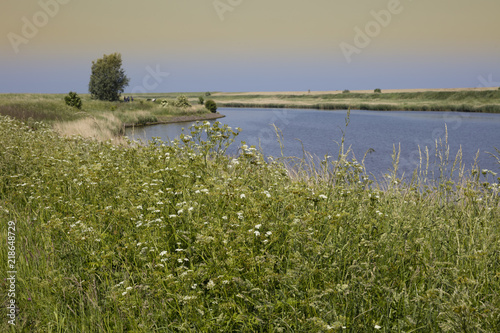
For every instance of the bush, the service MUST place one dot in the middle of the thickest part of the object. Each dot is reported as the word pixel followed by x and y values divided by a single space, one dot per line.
pixel 143 120
pixel 377 91
pixel 201 100
pixel 346 91
pixel 182 102
pixel 211 106
pixel 164 103
pixel 208 93
pixel 73 100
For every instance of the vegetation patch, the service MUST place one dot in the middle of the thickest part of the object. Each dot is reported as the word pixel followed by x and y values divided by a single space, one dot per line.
pixel 178 236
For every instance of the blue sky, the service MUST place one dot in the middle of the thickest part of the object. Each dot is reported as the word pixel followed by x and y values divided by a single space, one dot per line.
pixel 241 45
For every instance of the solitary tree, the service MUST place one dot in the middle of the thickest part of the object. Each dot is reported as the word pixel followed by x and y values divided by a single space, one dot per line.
pixel 108 79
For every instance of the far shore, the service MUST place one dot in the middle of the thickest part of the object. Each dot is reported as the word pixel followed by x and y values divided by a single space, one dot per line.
pixel 485 100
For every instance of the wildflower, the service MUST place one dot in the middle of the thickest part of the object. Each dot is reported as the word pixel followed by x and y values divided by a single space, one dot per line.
pixel 162 253
pixel 139 207
pixel 224 217
pixel 128 288
pixel 268 234
pixel 242 196
pixel 194 286
pixel 377 327
pixel 257 233
pixel 210 284
pixel 322 196
pixel 124 293
pixel 258 226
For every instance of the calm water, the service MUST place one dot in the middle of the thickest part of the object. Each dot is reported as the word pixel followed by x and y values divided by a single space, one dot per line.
pixel 318 132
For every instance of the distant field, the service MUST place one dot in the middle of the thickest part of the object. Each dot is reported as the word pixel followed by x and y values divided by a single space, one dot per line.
pixel 458 99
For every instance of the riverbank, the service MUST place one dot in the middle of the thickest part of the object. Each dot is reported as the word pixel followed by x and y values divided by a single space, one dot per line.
pixel 178 119
pixel 463 100
pixel 181 237
pixel 99 120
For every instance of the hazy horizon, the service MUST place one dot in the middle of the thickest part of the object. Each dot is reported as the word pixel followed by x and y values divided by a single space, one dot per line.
pixel 235 45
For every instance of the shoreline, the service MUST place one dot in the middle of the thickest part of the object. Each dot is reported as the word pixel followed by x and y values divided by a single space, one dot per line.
pixel 178 119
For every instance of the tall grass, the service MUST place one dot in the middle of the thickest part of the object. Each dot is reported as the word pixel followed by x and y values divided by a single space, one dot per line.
pixel 464 101
pixel 180 237
pixel 101 120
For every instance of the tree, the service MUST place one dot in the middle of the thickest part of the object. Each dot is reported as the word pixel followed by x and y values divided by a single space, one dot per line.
pixel 377 91
pixel 211 106
pixel 108 79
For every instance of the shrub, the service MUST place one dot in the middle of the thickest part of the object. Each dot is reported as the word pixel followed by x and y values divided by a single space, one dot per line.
pixel 377 91
pixel 211 106
pixel 182 102
pixel 201 100
pixel 208 93
pixel 73 100
pixel 346 91
pixel 143 120
pixel 164 103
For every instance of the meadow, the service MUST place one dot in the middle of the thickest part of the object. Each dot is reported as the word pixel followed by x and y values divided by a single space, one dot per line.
pixel 180 237
pixel 464 100
pixel 99 120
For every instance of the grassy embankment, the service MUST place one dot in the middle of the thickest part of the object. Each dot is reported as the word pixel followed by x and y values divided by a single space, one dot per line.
pixel 182 238
pixel 97 119
pixel 468 100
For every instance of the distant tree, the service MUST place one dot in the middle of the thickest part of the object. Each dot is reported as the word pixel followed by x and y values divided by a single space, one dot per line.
pixel 182 102
pixel 108 79
pixel 201 100
pixel 346 91
pixel 208 93
pixel 211 106
pixel 73 100
pixel 377 91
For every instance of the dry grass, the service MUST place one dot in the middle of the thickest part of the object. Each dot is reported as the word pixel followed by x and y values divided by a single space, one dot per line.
pixel 103 129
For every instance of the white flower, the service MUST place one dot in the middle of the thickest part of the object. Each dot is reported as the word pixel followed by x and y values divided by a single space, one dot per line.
pixel 322 196
pixel 162 253
pixel 377 327
pixel 129 288
pixel 139 207
pixel 210 284
pixel 224 217
pixel 257 233
pixel 242 196
pixel 124 293
pixel 268 234
pixel 179 212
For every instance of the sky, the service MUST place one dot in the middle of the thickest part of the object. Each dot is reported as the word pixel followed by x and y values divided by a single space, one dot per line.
pixel 48 46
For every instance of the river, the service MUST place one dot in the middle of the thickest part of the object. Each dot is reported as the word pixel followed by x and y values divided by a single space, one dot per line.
pixel 319 133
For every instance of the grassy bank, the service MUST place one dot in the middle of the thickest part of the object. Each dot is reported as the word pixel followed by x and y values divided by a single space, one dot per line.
pixel 182 238
pixel 97 119
pixel 456 100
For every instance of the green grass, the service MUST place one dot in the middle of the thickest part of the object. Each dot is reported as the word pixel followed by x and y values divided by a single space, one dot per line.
pixel 180 237
pixel 467 101
pixel 109 117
